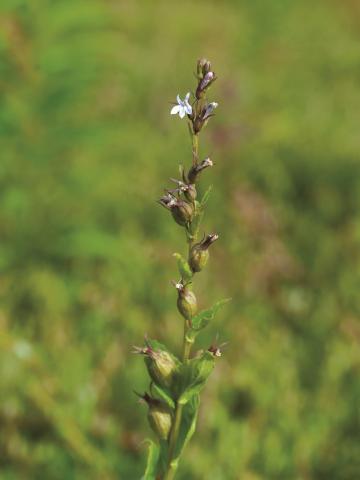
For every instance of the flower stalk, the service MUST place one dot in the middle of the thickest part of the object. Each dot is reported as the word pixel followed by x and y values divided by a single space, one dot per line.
pixel 176 383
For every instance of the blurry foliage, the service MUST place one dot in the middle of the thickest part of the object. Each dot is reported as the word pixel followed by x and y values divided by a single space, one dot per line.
pixel 85 252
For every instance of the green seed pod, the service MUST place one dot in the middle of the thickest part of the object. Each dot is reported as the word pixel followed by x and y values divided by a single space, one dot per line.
pixel 161 366
pixel 160 419
pixel 182 212
pixel 198 258
pixel 190 192
pixel 186 302
pixel 199 254
pixel 159 416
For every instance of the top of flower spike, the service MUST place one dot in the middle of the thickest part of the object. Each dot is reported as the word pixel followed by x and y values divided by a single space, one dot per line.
pixel 183 107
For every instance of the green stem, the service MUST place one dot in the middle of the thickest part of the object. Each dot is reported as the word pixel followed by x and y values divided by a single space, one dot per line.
pixel 195 148
pixel 173 462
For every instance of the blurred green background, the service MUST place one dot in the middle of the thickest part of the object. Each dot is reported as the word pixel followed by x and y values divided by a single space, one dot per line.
pixel 87 145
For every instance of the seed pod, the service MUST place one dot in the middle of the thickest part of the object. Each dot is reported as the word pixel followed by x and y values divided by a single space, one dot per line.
pixel 159 416
pixel 195 170
pixel 186 302
pixel 188 189
pixel 198 258
pixel 161 366
pixel 190 192
pixel 199 254
pixel 182 212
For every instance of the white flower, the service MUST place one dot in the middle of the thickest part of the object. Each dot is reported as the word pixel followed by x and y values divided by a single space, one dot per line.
pixel 183 107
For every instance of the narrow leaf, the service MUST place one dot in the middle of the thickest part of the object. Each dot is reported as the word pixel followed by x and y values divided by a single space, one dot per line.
pixel 163 394
pixel 188 424
pixel 206 197
pixel 183 266
pixel 203 318
pixel 152 461
pixel 195 374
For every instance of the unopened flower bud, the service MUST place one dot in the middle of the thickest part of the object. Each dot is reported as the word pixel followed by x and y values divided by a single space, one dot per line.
pixel 203 67
pixel 201 120
pixel 161 364
pixel 199 254
pixel 196 169
pixel 209 110
pixel 159 416
pixel 205 83
pixel 186 302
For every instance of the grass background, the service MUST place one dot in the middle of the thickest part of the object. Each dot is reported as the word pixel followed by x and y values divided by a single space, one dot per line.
pixel 87 145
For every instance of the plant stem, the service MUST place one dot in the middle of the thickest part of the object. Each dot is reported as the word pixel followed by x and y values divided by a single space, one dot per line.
pixel 195 148
pixel 174 433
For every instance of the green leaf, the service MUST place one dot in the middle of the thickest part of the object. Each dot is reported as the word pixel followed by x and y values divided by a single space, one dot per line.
pixel 206 197
pixel 183 266
pixel 188 424
pixel 152 461
pixel 163 394
pixel 194 375
pixel 204 317
pixel 196 221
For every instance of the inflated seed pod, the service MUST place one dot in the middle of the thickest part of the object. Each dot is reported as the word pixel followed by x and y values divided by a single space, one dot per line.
pixel 199 254
pixel 161 364
pixel 190 192
pixel 159 416
pixel 182 212
pixel 186 302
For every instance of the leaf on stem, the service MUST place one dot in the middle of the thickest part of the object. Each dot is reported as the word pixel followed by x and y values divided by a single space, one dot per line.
pixel 188 424
pixel 203 318
pixel 194 375
pixel 205 197
pixel 184 268
pixel 152 461
pixel 163 394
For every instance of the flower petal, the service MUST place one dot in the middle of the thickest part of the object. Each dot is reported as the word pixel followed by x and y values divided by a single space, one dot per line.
pixel 188 108
pixel 182 113
pixel 178 99
pixel 175 110
pixel 187 97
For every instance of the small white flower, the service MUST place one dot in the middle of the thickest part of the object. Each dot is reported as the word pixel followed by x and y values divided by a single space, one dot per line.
pixel 183 107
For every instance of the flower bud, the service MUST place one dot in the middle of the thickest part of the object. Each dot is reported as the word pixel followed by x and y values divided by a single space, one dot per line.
pixel 200 66
pixel 201 120
pixel 203 67
pixel 205 83
pixel 161 365
pixel 159 416
pixel 196 169
pixel 186 302
pixel 199 254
